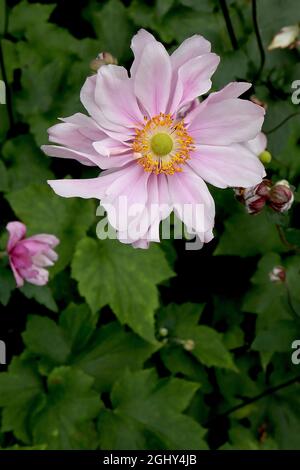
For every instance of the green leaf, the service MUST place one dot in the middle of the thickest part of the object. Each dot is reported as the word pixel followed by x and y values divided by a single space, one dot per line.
pixel 113 28
pixel 65 420
pixel 25 16
pixel 45 339
pixel 78 324
pixel 3 177
pixel 44 212
pixel 278 338
pixel 148 413
pixel 109 272
pixel 248 235
pixel 25 163
pixel 275 327
pixel 42 294
pixel 21 393
pixel 110 351
pixel 7 284
pixel 102 353
pixel 266 297
pixel 181 323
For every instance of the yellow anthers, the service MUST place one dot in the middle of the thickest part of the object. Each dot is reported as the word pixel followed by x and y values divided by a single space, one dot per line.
pixel 162 145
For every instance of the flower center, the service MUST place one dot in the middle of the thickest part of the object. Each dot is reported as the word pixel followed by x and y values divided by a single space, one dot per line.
pixel 162 145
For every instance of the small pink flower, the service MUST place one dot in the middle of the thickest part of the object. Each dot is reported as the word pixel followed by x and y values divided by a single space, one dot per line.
pixel 29 256
pixel 158 145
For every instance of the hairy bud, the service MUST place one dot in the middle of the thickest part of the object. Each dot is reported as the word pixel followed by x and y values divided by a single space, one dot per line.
pixel 277 274
pixel 281 196
pixel 254 198
pixel 104 58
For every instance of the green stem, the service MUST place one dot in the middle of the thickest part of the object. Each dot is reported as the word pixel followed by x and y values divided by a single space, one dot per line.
pixel 249 401
pixel 259 40
pixel 229 25
pixel 281 123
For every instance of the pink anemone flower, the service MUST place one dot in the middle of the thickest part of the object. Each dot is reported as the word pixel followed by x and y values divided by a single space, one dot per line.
pixel 157 143
pixel 28 257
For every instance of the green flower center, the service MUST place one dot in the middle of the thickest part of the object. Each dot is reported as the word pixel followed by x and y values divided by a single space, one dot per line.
pixel 161 144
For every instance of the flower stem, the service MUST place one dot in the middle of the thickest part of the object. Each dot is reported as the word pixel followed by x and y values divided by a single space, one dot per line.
pixel 248 401
pixel 282 237
pixel 258 39
pixel 229 25
pixel 282 123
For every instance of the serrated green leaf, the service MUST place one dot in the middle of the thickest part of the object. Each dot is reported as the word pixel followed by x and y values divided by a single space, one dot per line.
pixel 152 410
pixel 248 235
pixel 181 323
pixel 42 294
pixel 45 338
pixel 109 272
pixel 21 393
pixel 65 420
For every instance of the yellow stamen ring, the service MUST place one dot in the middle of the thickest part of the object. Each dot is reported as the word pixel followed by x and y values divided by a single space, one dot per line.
pixel 162 145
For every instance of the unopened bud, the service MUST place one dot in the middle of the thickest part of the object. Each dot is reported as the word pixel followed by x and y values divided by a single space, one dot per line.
pixel 256 100
pixel 163 331
pixel 254 198
pixel 104 58
pixel 281 196
pixel 286 37
pixel 265 157
pixel 189 345
pixel 277 274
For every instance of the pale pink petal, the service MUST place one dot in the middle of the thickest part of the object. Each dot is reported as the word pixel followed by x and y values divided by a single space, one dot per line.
pixel 258 144
pixel 46 239
pixel 115 97
pixel 16 231
pixel 36 275
pixel 189 49
pixel 192 201
pixel 41 260
pixel 232 90
pixel 95 187
pixel 156 208
pixel 18 278
pixel 153 79
pixel 141 243
pixel 125 199
pixel 225 122
pixel 233 166
pixel 64 152
pixel 109 146
pixel 194 79
pixel 88 99
pixel 138 44
pixel 79 136
pixel 85 188
pixel 96 159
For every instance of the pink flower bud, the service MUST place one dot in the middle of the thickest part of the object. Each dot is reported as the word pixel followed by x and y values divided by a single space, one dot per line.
pixel 286 37
pixel 277 274
pixel 104 58
pixel 256 100
pixel 28 257
pixel 281 196
pixel 254 198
